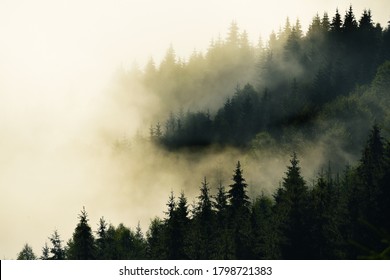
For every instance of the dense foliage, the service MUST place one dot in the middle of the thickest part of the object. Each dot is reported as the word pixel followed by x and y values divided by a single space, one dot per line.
pixel 331 85
pixel 329 82
pixel 339 217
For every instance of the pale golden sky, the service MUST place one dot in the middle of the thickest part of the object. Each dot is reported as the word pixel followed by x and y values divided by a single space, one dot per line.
pixel 55 59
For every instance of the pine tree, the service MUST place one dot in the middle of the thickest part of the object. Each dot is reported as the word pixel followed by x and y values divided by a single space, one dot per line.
pixel 123 243
pixel 314 27
pixel 325 23
pixel 57 251
pixel 366 195
pixel 45 252
pixel 237 193
pixel 104 240
pixel 140 245
pixel 337 23
pixel 239 216
pixel 264 243
pixel 27 253
pixel 156 240
pixel 350 24
pixel 291 207
pixel 233 38
pixel 370 171
pixel 176 227
pixel 326 239
pixel 82 244
pixel 384 192
pixel 224 242
pixel 204 207
pixel 203 225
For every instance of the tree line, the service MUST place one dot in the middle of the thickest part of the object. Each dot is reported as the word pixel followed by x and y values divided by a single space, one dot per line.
pixel 339 216
pixel 294 84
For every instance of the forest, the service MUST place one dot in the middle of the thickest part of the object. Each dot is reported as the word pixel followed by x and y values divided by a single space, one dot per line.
pixel 329 86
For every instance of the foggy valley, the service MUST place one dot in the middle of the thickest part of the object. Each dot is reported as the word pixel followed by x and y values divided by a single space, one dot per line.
pixel 92 118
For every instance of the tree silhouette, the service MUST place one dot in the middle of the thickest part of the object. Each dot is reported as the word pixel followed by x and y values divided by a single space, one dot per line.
pixel 57 251
pixel 291 208
pixel 26 253
pixel 82 244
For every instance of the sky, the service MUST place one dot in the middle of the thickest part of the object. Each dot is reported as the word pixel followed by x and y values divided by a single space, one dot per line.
pixel 57 59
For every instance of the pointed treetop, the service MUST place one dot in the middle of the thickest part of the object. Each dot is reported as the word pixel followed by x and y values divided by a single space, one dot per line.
pixel 298 28
pixel 365 22
pixel 315 25
pixel 171 205
pixel 83 216
pixel 287 26
pixel 220 198
pixel 350 23
pixel 293 177
pixel 233 34
pixel 237 193
pixel 336 22
pixel 325 23
pixel 373 154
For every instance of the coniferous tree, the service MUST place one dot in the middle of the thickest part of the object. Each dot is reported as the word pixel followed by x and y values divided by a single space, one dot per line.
pixel 82 244
pixel 45 252
pixel 337 23
pixel 370 172
pixel 326 239
pixel 350 24
pixel 239 214
pixel 292 212
pixel 384 193
pixel 124 243
pixel 57 251
pixel 325 23
pixel 203 225
pixel 156 240
pixel 364 209
pixel 224 242
pixel 264 243
pixel 27 253
pixel 237 193
pixel 105 240
pixel 176 227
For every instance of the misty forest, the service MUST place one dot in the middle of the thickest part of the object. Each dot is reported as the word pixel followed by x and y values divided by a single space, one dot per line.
pixel 328 89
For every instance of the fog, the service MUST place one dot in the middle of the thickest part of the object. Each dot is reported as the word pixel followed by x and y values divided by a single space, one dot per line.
pixel 61 113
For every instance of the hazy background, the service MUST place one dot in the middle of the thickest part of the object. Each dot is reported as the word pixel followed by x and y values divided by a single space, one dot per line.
pixel 58 120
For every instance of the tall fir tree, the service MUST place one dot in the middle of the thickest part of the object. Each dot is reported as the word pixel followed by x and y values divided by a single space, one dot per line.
pixel 239 215
pixel 82 244
pixel 237 193
pixel 57 251
pixel 292 212
pixel 26 253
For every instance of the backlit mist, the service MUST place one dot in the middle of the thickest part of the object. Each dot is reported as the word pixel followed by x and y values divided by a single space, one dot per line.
pixel 62 113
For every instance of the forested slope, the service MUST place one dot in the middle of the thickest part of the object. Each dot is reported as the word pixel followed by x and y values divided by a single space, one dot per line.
pixel 328 87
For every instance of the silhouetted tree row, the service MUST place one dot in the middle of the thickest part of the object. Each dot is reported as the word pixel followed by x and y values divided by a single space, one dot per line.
pixel 341 216
pixel 295 80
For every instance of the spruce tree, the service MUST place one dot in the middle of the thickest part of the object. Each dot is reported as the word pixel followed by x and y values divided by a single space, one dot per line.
pixel 237 193
pixel 27 253
pixel 223 247
pixel 156 240
pixel 337 23
pixel 82 244
pixel 57 251
pixel 45 252
pixel 291 207
pixel 203 225
pixel 176 227
pixel 263 238
pixel 105 240
pixel 239 216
